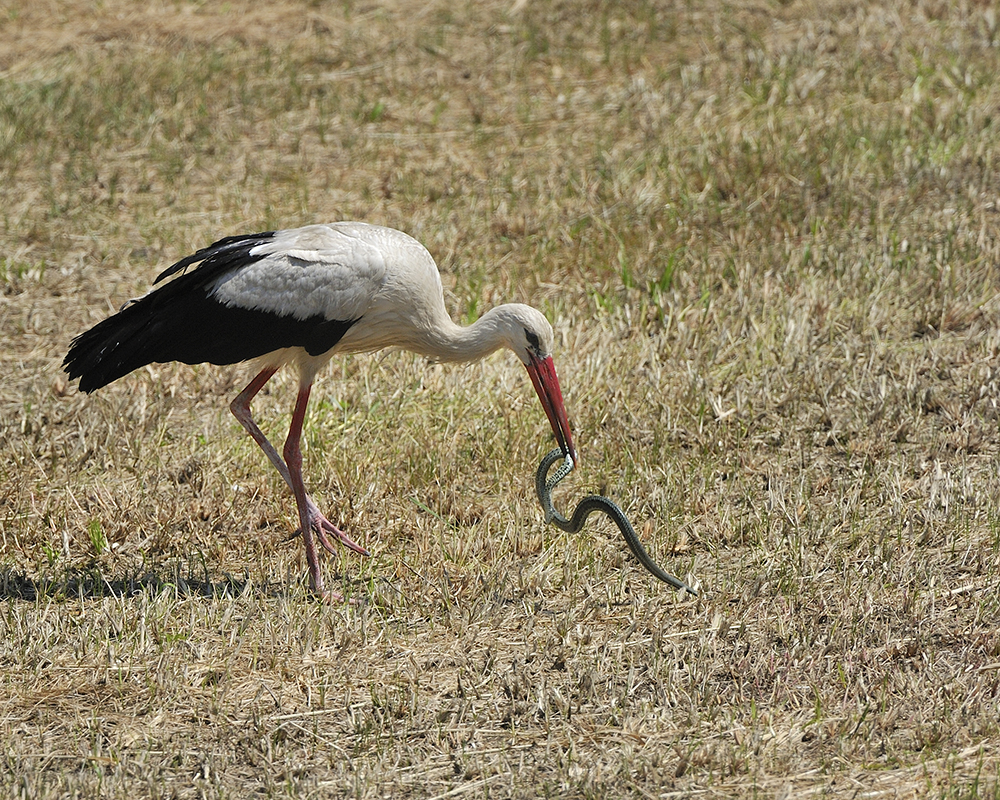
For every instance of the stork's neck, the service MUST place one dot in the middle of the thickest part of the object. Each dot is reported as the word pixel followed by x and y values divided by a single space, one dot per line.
pixel 448 341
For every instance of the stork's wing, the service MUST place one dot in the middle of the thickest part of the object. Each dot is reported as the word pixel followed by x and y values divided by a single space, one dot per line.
pixel 219 257
pixel 307 273
pixel 248 296
pixel 304 273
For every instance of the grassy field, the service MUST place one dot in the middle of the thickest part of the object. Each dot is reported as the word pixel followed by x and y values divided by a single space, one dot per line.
pixel 767 235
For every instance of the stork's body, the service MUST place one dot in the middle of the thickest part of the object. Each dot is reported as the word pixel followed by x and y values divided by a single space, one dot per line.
pixel 299 297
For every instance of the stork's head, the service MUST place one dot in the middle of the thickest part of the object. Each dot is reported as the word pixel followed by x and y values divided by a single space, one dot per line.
pixel 530 335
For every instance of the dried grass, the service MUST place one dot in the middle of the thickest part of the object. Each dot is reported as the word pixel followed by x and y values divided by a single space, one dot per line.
pixel 768 238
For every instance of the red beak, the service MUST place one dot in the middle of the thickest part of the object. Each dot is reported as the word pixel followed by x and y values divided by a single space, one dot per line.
pixel 543 376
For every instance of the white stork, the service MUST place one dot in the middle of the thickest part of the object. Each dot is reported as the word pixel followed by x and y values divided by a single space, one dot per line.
pixel 298 297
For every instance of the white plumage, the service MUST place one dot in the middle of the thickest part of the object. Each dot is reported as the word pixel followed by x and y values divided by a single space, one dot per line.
pixel 300 296
pixel 333 271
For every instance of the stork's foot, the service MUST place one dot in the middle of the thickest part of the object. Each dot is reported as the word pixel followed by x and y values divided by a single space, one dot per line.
pixel 330 597
pixel 324 529
pixel 324 595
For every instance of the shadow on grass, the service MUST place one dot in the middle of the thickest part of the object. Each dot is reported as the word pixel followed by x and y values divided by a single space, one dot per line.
pixel 90 583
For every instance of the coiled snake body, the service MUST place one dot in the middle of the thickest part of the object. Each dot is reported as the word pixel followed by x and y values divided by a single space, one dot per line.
pixel 593 502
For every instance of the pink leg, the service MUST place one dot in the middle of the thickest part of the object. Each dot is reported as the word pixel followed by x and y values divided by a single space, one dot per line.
pixel 241 410
pixel 293 458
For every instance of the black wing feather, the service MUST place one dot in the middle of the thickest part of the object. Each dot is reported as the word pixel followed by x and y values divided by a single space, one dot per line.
pixel 220 256
pixel 180 321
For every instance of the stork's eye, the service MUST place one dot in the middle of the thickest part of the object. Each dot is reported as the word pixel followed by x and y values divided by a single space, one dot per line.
pixel 533 341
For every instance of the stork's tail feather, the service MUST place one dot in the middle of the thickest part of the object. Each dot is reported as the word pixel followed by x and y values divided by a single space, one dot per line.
pixel 109 350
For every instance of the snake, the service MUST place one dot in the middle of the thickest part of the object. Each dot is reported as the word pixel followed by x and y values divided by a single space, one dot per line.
pixel 591 503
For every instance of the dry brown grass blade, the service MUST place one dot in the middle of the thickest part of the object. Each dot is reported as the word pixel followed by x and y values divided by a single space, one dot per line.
pixel 767 236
